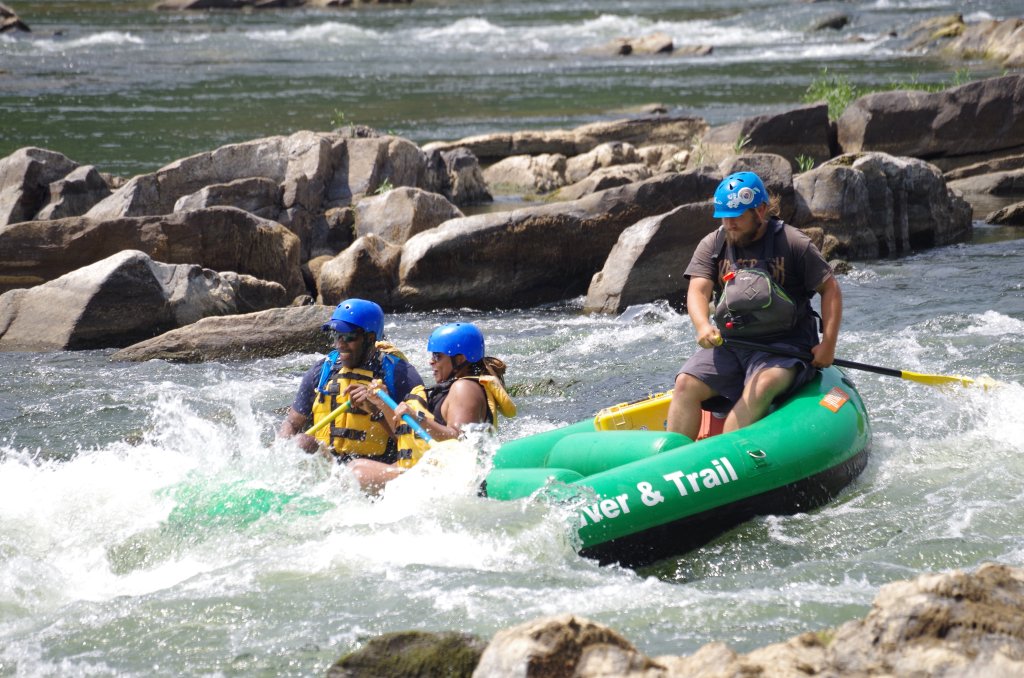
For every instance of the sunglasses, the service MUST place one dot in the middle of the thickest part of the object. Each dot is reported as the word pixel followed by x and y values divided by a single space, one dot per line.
pixel 436 357
pixel 347 337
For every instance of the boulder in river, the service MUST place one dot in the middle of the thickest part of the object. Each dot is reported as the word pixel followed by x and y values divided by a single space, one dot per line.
pixel 121 300
pixel 951 128
pixel 537 254
pixel 220 238
pixel 266 334
pixel 958 623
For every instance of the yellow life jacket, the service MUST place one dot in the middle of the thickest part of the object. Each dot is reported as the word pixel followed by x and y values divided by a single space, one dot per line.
pixel 357 432
pixel 498 400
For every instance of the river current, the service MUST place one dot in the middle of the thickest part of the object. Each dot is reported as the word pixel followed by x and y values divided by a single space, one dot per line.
pixel 112 564
pixel 117 85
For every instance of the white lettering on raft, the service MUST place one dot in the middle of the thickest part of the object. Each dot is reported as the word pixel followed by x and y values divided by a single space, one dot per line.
pixel 606 508
pixel 719 473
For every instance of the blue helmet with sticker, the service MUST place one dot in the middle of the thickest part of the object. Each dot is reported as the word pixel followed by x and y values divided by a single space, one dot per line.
pixel 455 338
pixel 356 314
pixel 738 193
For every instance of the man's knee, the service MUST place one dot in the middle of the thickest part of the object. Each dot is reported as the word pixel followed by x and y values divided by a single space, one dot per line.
pixel 770 382
pixel 691 389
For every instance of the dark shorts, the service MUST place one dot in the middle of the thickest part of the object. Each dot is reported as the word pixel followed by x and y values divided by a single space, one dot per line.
pixel 725 369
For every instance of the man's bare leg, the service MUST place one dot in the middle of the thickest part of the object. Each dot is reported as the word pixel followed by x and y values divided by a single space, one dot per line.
pixel 684 410
pixel 758 394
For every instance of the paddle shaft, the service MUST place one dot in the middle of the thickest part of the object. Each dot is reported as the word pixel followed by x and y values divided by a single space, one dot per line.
pixel 778 350
pixel 330 417
pixel 407 418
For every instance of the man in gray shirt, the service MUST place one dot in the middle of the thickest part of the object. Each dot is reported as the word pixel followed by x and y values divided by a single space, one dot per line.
pixel 752 239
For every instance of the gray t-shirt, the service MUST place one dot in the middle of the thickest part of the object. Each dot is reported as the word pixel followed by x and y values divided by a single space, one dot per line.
pixel 796 264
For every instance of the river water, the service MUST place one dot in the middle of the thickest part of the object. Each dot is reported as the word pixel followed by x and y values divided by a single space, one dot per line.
pixel 115 84
pixel 111 562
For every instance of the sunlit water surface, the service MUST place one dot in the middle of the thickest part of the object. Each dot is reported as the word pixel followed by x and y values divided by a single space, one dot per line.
pixel 112 561
pixel 113 557
pixel 115 84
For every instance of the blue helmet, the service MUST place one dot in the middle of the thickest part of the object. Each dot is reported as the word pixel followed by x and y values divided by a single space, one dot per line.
pixel 356 314
pixel 455 338
pixel 739 192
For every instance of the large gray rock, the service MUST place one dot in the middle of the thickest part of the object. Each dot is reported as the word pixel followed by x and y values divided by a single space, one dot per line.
pixel 490 148
pixel 582 166
pixel 527 174
pixel 664 157
pixel 1011 215
pixel 273 157
pixel 958 623
pixel 256 195
pixel 988 166
pixel 220 238
pixel 25 178
pixel 640 131
pixel 370 164
pixel 115 302
pixel 1001 40
pixel 873 205
pixel 803 131
pixel 951 128
pixel 399 214
pixel 412 653
pixel 648 260
pixel 368 269
pixel 563 645
pixel 315 171
pixel 533 255
pixel 75 194
pixel 991 192
pixel 456 175
pixel 602 179
pixel 267 334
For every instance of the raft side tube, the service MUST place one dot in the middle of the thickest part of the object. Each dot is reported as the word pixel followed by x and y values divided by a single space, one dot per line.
pixel 689 532
pixel 590 453
pixel 531 451
pixel 517 483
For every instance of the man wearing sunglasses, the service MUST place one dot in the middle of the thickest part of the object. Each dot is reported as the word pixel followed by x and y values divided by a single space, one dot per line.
pixel 362 435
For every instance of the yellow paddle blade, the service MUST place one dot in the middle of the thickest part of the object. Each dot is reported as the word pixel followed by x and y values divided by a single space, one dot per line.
pixel 984 381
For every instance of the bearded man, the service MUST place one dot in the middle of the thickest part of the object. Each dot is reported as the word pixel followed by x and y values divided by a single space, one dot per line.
pixel 762 275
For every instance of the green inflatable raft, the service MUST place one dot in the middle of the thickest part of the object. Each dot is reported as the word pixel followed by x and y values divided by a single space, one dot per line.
pixel 647 494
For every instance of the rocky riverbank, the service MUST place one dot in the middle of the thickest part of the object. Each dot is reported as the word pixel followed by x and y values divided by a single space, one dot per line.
pixel 947 624
pixel 610 210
